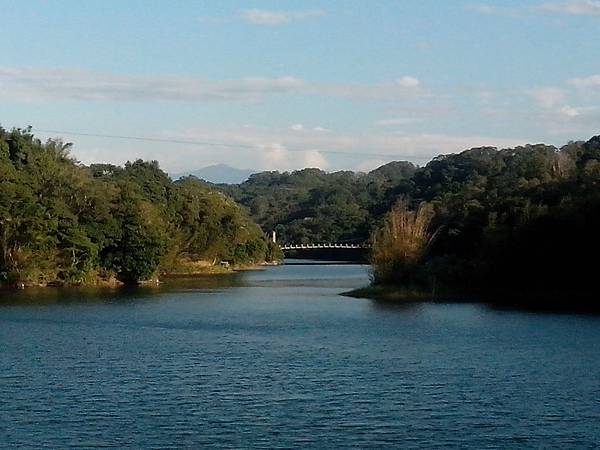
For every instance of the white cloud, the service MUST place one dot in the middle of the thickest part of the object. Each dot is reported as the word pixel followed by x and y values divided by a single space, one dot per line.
pixel 313 158
pixel 277 18
pixel 277 157
pixel 583 83
pixel 493 10
pixel 569 111
pixel 66 84
pixel 574 7
pixel 557 112
pixel 404 88
pixel 262 148
pixel 548 97
pixel 285 149
pixel 483 8
pixel 408 82
pixel 300 127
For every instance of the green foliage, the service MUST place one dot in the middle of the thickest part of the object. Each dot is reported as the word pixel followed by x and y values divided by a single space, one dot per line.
pixel 514 220
pixel 517 219
pixel 311 205
pixel 401 244
pixel 62 222
pixel 136 250
pixel 521 218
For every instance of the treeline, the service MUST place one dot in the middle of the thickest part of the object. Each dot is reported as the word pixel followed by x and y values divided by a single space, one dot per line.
pixel 513 221
pixel 521 224
pixel 65 223
pixel 311 205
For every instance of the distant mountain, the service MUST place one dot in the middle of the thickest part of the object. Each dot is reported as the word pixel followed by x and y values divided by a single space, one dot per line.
pixel 219 173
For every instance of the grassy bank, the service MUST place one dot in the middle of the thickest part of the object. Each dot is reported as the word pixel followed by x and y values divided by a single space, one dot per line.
pixel 391 293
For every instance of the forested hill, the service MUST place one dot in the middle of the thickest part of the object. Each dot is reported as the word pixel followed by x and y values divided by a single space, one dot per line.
pixel 522 219
pixel 62 222
pixel 311 205
pixel 521 224
pixel 512 217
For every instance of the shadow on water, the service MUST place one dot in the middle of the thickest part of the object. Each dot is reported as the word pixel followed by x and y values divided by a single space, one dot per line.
pixel 534 304
pixel 550 306
pixel 47 296
pixel 396 306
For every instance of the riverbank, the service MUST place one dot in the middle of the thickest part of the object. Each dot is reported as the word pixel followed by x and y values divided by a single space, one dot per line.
pixel 217 269
pixel 390 293
pixel 198 268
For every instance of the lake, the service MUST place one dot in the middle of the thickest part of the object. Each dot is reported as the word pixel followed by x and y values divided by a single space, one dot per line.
pixel 278 359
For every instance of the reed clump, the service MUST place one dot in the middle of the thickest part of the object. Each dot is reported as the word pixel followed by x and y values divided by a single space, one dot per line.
pixel 400 246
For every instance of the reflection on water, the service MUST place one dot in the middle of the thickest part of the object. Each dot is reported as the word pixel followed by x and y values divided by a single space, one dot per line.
pixel 276 358
pixel 54 295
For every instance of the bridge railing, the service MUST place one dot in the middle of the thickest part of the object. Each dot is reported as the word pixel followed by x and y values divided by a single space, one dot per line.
pixel 323 245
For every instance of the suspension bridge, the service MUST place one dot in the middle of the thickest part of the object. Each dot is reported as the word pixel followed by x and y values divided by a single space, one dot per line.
pixel 327 245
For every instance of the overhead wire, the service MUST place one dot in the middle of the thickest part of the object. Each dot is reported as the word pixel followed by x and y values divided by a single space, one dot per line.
pixel 223 144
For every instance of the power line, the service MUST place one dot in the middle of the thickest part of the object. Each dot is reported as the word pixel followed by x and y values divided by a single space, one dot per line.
pixel 224 144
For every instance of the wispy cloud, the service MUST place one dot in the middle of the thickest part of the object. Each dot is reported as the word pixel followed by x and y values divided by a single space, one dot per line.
pixel 548 97
pixel 494 10
pixel 553 101
pixel 44 84
pixel 396 121
pixel 286 148
pixel 482 8
pixel 277 18
pixel 584 83
pixel 569 7
pixel 408 82
pixel 566 110
pixel 573 7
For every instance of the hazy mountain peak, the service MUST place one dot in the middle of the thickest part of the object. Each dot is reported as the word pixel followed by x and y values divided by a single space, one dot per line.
pixel 219 173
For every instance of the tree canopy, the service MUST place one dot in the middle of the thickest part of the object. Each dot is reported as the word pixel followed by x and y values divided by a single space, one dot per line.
pixel 63 222
pixel 311 205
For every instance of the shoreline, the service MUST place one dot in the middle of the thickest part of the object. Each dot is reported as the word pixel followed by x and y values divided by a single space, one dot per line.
pixel 113 283
pixel 566 302
pixel 391 293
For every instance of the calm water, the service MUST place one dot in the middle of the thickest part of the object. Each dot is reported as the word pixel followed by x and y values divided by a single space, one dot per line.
pixel 278 359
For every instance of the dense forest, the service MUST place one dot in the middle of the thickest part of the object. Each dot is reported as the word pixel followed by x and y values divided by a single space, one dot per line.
pixel 64 223
pixel 311 205
pixel 519 224
pixel 521 221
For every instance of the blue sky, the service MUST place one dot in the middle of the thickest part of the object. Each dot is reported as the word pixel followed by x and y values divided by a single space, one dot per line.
pixel 288 84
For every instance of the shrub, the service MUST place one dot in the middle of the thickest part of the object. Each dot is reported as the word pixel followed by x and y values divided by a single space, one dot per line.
pixel 401 244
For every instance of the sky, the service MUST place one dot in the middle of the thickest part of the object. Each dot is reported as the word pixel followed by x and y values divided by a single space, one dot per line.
pixel 281 85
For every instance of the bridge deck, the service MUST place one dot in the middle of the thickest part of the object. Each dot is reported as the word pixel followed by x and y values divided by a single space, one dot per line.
pixel 323 246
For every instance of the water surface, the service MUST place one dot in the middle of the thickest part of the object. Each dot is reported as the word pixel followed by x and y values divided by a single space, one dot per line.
pixel 277 358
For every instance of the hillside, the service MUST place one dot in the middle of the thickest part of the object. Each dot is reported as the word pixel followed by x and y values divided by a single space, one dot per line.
pixel 311 205
pixel 65 223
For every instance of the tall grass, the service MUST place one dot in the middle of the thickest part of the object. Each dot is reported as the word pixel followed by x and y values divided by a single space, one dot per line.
pixel 400 245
